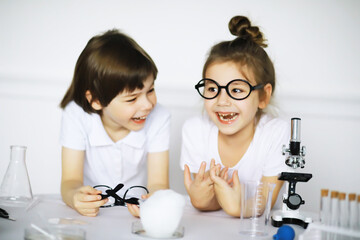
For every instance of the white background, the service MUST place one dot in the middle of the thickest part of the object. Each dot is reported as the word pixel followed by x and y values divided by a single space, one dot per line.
pixel 313 44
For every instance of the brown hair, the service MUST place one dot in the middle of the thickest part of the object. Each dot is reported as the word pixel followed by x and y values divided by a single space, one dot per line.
pixel 109 64
pixel 245 50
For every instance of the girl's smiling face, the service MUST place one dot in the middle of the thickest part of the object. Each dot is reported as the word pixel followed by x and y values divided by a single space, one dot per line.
pixel 128 110
pixel 229 115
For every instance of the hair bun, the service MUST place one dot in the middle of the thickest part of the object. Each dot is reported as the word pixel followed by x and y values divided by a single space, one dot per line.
pixel 240 26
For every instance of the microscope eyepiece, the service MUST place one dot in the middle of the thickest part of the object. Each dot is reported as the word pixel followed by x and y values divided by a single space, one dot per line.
pixel 295 137
pixel 295 130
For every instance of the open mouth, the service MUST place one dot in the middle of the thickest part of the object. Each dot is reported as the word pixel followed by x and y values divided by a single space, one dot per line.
pixel 227 117
pixel 139 119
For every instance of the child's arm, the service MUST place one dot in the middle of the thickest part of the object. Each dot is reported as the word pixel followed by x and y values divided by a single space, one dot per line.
pixel 83 199
pixel 158 176
pixel 201 189
pixel 158 171
pixel 278 185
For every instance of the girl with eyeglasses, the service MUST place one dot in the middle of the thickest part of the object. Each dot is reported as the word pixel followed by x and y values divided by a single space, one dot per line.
pixel 235 140
pixel 113 131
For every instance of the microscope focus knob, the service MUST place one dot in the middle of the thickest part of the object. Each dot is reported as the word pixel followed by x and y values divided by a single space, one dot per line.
pixel 303 150
pixel 284 150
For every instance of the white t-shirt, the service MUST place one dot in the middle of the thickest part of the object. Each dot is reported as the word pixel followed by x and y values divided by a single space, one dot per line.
pixel 262 158
pixel 108 162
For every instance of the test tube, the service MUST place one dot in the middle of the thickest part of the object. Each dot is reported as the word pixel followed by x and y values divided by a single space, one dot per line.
pixel 334 208
pixel 324 206
pixel 353 211
pixel 358 209
pixel 343 210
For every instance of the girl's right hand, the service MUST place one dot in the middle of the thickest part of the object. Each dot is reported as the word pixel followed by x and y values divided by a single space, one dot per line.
pixel 201 189
pixel 87 201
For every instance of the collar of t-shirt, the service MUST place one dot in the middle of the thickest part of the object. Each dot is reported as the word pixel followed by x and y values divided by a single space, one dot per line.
pixel 99 137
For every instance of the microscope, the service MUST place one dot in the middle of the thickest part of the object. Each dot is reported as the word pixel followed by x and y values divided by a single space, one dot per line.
pixel 290 214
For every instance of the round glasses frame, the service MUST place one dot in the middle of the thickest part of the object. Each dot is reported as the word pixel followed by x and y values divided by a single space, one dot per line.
pixel 201 83
pixel 119 201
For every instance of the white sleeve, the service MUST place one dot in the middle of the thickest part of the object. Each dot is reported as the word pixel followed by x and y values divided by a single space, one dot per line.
pixel 192 147
pixel 278 134
pixel 72 134
pixel 159 132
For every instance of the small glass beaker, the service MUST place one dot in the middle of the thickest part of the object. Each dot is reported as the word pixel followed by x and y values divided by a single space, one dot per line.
pixel 54 232
pixel 256 198
pixel 164 206
pixel 15 189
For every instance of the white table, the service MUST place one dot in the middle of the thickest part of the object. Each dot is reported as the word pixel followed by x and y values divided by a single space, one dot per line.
pixel 115 222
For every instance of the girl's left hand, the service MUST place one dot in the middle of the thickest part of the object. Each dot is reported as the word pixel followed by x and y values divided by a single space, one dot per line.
pixel 227 192
pixel 135 209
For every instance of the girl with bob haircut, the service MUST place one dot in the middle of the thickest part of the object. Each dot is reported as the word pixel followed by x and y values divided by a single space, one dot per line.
pixel 112 131
pixel 235 140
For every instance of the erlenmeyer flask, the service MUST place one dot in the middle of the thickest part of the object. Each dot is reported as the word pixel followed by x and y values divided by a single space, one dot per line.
pixel 15 189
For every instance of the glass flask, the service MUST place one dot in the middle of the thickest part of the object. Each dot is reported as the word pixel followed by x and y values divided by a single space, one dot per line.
pixel 15 189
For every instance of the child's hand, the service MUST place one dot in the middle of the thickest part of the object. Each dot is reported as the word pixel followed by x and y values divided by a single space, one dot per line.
pixel 201 189
pixel 134 209
pixel 227 191
pixel 87 201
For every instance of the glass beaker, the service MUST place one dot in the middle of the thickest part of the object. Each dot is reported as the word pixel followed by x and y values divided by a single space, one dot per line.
pixel 56 232
pixel 15 189
pixel 256 200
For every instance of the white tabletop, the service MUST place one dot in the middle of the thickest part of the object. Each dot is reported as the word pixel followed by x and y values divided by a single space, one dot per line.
pixel 116 222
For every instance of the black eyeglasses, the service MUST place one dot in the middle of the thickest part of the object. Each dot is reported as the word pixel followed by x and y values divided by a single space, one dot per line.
pixel 135 193
pixel 237 89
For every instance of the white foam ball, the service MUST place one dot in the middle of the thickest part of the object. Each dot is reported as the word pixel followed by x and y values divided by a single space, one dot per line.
pixel 161 213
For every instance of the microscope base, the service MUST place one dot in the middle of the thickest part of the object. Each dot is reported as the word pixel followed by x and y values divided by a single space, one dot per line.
pixel 289 217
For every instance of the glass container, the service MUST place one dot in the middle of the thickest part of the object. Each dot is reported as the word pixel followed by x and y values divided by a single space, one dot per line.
pixel 325 206
pixel 15 189
pixel 343 211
